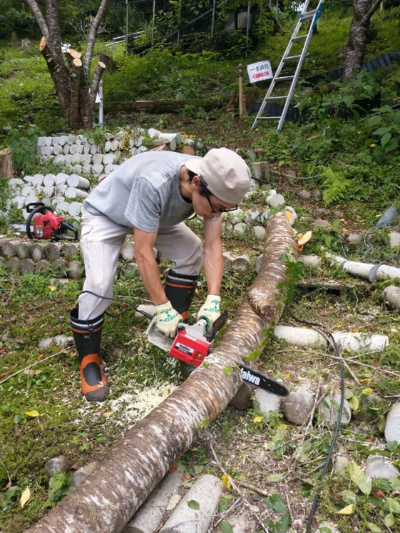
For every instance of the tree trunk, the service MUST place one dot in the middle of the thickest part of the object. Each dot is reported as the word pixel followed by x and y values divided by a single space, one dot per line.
pixel 72 77
pixel 108 498
pixel 354 50
pixel 60 76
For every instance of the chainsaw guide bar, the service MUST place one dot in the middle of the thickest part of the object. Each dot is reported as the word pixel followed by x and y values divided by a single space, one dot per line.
pixel 191 346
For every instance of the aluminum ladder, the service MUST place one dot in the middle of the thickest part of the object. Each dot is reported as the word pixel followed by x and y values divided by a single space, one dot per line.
pixel 304 16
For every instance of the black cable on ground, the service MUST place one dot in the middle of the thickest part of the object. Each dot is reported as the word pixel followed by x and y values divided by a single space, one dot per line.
pixel 124 300
pixel 328 335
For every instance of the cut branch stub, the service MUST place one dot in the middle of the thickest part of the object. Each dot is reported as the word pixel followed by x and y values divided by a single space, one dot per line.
pixel 42 44
pixel 74 53
pixel 142 458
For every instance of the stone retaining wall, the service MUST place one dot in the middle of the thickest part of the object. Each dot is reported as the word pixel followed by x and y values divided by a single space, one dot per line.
pixel 65 258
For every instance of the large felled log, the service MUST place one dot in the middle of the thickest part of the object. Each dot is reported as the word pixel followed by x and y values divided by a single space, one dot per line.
pixel 109 497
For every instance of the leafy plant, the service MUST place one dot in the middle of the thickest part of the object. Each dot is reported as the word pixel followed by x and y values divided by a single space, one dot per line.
pixel 335 184
pixel 23 143
pixel 59 486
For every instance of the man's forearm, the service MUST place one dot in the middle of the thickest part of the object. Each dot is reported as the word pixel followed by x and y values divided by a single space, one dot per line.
pixel 213 268
pixel 150 275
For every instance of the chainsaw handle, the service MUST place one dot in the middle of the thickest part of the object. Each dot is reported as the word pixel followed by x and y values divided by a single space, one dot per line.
pixel 218 324
pixel 70 228
pixel 32 210
pixel 35 205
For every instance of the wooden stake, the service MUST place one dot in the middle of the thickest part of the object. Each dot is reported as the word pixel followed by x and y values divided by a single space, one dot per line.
pixel 240 72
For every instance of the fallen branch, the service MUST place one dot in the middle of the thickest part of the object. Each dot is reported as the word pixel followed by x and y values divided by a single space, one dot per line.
pixel 232 482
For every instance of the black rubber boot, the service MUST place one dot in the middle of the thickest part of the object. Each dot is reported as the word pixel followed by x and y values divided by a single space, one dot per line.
pixel 87 337
pixel 179 289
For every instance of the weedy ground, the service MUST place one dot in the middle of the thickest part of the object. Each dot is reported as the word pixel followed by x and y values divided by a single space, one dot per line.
pixel 354 162
pixel 42 414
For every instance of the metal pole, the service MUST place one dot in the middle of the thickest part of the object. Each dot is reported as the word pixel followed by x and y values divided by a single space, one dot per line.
pixel 248 27
pixel 152 28
pixel 213 19
pixel 179 21
pixel 101 102
pixel 127 26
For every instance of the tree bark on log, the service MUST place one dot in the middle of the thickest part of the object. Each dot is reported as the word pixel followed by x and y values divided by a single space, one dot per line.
pixel 354 50
pixel 108 498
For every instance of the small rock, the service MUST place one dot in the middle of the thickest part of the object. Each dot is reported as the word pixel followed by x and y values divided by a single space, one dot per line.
pixel 341 464
pixel 275 200
pixel 81 474
pixel 240 228
pixel 241 264
pixel 322 224
pixel 298 405
pixel 391 296
pixel 329 409
pixel 46 343
pixel 394 239
pixel 310 261
pixel 128 251
pixel 258 263
pixel 63 340
pixel 251 215
pixel 304 195
pixel 378 466
pixel 392 428
pixel 56 464
pixel 228 259
pixel 234 216
pixel 266 401
pixel 259 233
pixel 354 238
pixel 242 399
pixel 321 211
pixel 317 194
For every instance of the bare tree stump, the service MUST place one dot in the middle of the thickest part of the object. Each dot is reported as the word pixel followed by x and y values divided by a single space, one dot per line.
pixel 6 166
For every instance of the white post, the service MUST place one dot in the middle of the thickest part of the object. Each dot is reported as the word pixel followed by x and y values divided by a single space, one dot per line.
pixel 101 102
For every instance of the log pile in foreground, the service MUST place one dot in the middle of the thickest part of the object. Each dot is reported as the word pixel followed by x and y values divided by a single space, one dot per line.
pixel 107 499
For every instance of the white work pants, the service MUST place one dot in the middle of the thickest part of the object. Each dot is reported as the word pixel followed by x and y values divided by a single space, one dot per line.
pixel 101 242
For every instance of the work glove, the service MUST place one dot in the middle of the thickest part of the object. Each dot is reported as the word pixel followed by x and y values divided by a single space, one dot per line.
pixel 167 319
pixel 210 310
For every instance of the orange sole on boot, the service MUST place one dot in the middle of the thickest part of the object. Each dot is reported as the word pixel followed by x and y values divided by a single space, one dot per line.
pixel 93 389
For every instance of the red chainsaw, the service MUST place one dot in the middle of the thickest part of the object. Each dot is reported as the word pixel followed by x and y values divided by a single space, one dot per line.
pixel 44 224
pixel 193 343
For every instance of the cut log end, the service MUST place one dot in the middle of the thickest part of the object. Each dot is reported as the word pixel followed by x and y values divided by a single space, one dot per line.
pixel 74 53
pixel 77 62
pixel 101 64
pixel 43 43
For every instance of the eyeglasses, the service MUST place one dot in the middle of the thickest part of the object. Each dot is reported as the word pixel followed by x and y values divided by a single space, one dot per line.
pixel 208 193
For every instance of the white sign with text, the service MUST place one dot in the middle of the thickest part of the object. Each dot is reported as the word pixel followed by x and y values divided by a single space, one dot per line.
pixel 259 71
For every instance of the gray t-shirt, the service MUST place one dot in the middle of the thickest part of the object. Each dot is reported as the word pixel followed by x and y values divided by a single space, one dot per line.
pixel 143 193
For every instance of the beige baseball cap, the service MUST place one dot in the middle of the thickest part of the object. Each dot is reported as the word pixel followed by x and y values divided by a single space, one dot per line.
pixel 226 174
